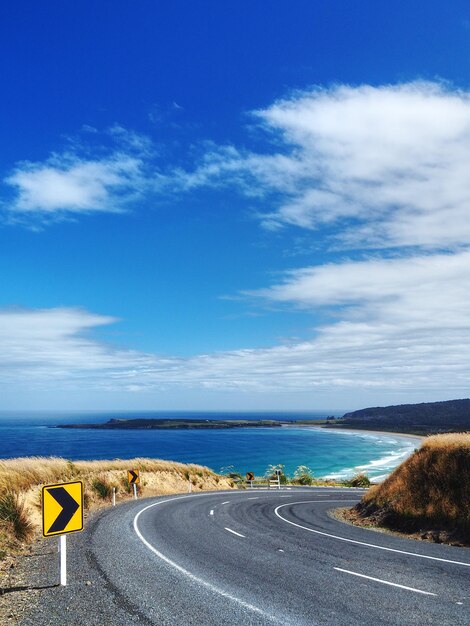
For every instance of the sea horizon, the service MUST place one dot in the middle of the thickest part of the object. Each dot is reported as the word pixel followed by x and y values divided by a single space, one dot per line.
pixel 329 452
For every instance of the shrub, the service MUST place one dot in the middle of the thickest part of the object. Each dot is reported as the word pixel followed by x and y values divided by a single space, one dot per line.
pixel 13 511
pixel 102 488
pixel 303 475
pixel 359 480
pixel 270 473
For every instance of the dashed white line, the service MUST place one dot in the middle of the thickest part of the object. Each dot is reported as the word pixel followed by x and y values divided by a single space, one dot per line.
pixel 235 532
pixel 385 582
pixel 253 498
pixel 226 502
pixel 191 576
pixel 361 543
pixel 211 512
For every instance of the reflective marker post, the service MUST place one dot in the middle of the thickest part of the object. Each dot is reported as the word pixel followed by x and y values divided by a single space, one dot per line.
pixel 135 491
pixel 114 496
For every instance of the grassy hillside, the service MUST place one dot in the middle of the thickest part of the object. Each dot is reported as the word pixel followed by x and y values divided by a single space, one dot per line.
pixel 423 418
pixel 429 493
pixel 21 481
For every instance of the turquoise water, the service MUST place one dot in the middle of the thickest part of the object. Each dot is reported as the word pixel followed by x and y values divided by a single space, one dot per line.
pixel 326 452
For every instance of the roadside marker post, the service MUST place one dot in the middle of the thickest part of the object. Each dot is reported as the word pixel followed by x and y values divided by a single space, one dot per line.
pixel 62 513
pixel 135 491
pixel 114 496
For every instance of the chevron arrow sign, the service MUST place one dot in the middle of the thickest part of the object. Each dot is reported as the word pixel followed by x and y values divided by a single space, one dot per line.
pixel 133 477
pixel 62 508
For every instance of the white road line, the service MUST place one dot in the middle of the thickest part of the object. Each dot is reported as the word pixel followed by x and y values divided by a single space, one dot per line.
pixel 253 498
pixel 211 512
pixel 234 532
pixel 191 576
pixel 226 502
pixel 385 582
pixel 361 543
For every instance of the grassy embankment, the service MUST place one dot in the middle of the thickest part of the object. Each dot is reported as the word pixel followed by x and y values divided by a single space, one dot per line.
pixel 21 481
pixel 428 494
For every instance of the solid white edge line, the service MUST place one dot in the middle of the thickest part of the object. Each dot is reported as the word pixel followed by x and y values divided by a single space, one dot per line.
pixel 226 502
pixel 385 582
pixel 234 532
pixel 361 543
pixel 184 571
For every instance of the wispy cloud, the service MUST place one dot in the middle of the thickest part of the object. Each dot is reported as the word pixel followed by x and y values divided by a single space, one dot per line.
pixel 387 165
pixel 82 179
pixel 50 349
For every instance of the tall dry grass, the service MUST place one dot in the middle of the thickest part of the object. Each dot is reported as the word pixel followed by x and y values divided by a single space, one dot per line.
pixel 431 488
pixel 21 481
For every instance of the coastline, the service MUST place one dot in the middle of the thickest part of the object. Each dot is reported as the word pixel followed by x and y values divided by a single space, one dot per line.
pixel 408 439
pixel 379 432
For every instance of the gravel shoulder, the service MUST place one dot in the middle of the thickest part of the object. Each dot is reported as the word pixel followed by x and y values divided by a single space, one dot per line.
pixel 31 596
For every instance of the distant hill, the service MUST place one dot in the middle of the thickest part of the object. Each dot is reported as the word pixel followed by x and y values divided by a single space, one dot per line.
pixel 426 417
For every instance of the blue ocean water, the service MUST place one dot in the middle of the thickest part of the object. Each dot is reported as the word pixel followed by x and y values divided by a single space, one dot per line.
pixel 327 452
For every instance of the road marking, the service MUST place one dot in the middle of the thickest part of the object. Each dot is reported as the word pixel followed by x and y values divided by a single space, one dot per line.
pixel 280 550
pixel 385 582
pixel 191 576
pixel 211 512
pixel 361 543
pixel 226 502
pixel 253 498
pixel 234 532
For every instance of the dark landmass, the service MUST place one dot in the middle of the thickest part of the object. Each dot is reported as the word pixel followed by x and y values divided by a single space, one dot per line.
pixel 416 419
pixel 419 419
pixel 180 424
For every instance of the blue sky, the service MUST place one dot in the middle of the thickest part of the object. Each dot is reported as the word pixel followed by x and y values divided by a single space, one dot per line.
pixel 221 205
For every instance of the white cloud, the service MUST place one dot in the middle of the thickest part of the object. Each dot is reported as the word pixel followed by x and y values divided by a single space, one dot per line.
pixel 388 165
pixel 381 347
pixel 69 184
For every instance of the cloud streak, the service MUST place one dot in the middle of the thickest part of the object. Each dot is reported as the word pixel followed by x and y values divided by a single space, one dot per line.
pixel 386 165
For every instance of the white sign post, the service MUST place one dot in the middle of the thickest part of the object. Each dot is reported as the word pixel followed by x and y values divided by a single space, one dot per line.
pixel 63 560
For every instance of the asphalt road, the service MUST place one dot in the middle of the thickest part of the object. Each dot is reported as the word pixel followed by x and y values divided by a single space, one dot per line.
pixel 256 557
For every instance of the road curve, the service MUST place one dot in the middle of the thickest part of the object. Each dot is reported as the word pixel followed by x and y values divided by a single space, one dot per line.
pixel 268 557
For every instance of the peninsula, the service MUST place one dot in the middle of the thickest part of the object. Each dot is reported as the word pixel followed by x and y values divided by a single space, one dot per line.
pixel 180 424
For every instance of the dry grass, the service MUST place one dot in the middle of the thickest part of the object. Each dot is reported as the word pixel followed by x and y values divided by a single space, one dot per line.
pixel 430 489
pixel 21 481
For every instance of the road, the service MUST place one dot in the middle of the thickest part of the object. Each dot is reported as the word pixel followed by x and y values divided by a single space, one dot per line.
pixel 267 558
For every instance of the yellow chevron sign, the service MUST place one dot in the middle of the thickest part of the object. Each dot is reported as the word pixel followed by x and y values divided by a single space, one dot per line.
pixel 62 508
pixel 250 476
pixel 133 477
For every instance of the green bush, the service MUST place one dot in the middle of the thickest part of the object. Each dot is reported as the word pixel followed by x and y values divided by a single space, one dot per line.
pixel 13 511
pixel 270 474
pixel 102 488
pixel 303 475
pixel 359 480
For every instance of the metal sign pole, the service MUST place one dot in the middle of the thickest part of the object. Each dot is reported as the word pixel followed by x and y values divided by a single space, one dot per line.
pixel 63 559
pixel 135 491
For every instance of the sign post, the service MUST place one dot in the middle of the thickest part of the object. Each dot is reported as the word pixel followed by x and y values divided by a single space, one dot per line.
pixel 133 478
pixel 250 476
pixel 62 513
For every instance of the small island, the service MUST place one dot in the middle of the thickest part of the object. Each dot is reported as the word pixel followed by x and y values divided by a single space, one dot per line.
pixel 180 424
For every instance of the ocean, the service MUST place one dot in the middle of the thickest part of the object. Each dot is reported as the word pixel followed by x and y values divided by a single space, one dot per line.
pixel 331 453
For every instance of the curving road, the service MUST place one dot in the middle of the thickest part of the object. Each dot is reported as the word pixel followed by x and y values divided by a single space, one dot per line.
pixel 270 557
